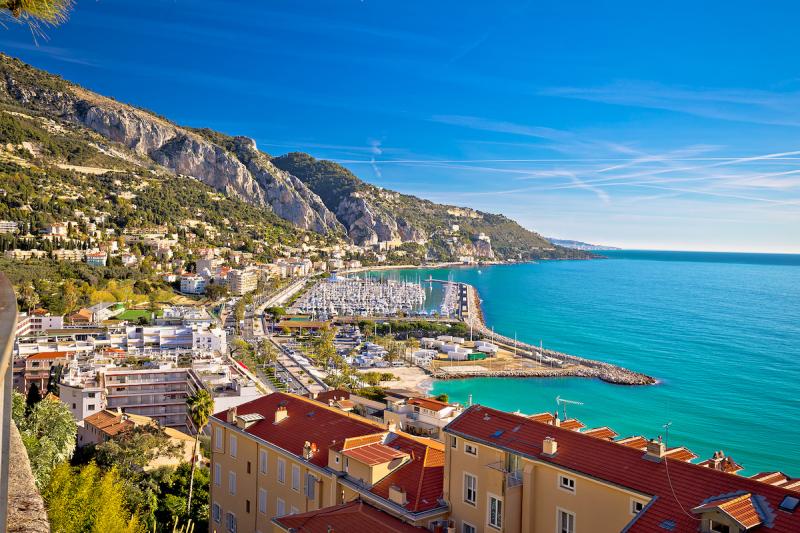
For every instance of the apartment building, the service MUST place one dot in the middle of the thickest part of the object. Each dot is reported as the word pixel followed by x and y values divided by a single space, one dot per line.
pixel 515 474
pixel 420 416
pixel 283 454
pixel 37 369
pixel 157 393
pixel 193 284
pixel 241 282
pixel 83 397
pixel 37 321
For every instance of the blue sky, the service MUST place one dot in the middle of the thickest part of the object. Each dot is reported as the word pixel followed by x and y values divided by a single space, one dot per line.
pixel 672 126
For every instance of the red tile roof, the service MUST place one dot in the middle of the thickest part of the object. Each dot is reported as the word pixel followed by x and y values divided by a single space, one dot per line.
pixel 422 476
pixel 374 454
pixel 336 394
pixel 623 466
pixel 108 422
pixel 741 508
pixel 779 479
pixel 350 517
pixel 638 442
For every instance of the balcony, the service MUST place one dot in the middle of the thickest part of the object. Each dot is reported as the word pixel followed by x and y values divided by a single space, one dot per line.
pixel 511 478
pixel 21 506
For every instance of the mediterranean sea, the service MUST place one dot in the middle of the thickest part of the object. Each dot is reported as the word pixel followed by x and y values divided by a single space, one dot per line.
pixel 720 331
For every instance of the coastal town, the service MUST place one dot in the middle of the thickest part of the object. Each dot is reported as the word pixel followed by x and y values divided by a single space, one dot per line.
pixel 319 378
pixel 283 267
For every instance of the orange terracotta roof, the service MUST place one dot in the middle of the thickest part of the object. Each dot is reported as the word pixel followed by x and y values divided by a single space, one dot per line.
pixel 428 403
pixel 349 517
pixel 374 454
pixel 49 355
pixel 336 394
pixel 687 486
pixel 108 422
pixel 726 464
pixel 602 433
pixel 779 479
pixel 741 508
pixel 638 442
pixel 547 418
pixel 573 424
pixel 681 454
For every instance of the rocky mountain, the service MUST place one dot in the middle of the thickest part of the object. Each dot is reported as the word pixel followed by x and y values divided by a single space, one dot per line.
pixel 319 196
pixel 579 245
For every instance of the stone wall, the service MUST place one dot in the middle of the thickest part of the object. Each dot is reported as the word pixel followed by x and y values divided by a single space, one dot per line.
pixel 26 511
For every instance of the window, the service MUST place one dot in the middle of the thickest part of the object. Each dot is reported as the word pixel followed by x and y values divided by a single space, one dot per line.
pixel 470 488
pixel 91 407
pixel 74 406
pixel 636 507
pixel 281 509
pixel 230 522
pixel 216 512
pixel 248 467
pixel 453 442
pixel 232 482
pixel 262 461
pixel 566 521
pixel 217 474
pixel 92 394
pixel 281 471
pixel 262 501
pixel 346 463
pixel 495 512
pixel 234 446
pixel 294 510
pixel 566 483
pixel 218 436
pixel 295 478
pixel 247 506
pixel 469 449
pixel 311 487
pixel 717 527
pixel 468 528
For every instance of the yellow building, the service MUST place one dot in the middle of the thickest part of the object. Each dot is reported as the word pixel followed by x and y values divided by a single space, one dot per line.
pixel 283 454
pixel 514 474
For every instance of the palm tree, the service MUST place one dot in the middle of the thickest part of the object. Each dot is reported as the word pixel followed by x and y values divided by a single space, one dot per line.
pixel 201 407
pixel 36 12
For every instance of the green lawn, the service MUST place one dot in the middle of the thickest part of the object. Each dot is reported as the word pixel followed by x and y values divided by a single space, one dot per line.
pixel 135 314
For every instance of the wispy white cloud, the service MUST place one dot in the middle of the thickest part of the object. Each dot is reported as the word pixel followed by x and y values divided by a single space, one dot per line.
pixel 740 105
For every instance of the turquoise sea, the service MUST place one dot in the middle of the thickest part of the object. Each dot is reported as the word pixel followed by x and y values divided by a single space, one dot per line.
pixel 720 331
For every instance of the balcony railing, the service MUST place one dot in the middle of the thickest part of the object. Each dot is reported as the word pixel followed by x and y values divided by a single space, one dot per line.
pixel 512 478
pixel 21 507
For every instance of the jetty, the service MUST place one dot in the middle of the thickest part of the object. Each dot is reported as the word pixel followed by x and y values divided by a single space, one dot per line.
pixel 550 362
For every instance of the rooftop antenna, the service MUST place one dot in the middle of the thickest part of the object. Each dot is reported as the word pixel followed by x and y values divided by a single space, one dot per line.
pixel 563 403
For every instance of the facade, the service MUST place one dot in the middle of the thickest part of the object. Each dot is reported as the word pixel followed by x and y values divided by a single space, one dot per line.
pixel 241 282
pixel 193 284
pixel 37 368
pixel 83 398
pixel 159 394
pixel 514 474
pixel 96 259
pixel 284 454
pixel 37 321
pixel 8 226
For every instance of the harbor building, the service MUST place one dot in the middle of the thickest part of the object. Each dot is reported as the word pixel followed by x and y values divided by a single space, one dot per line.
pixel 510 473
pixel 283 454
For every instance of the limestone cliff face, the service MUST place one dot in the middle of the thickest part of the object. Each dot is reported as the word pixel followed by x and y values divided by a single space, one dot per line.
pixel 241 171
pixel 367 223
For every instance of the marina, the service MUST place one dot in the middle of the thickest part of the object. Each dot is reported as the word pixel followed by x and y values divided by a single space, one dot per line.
pixel 346 296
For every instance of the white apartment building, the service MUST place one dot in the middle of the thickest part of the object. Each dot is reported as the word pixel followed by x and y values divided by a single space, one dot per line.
pixel 37 321
pixel 193 284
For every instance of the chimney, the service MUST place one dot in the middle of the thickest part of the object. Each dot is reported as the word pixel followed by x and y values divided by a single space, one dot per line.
pixel 656 450
pixel 556 420
pixel 280 414
pixel 231 418
pixel 309 448
pixel 549 447
pixel 392 426
pixel 397 495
